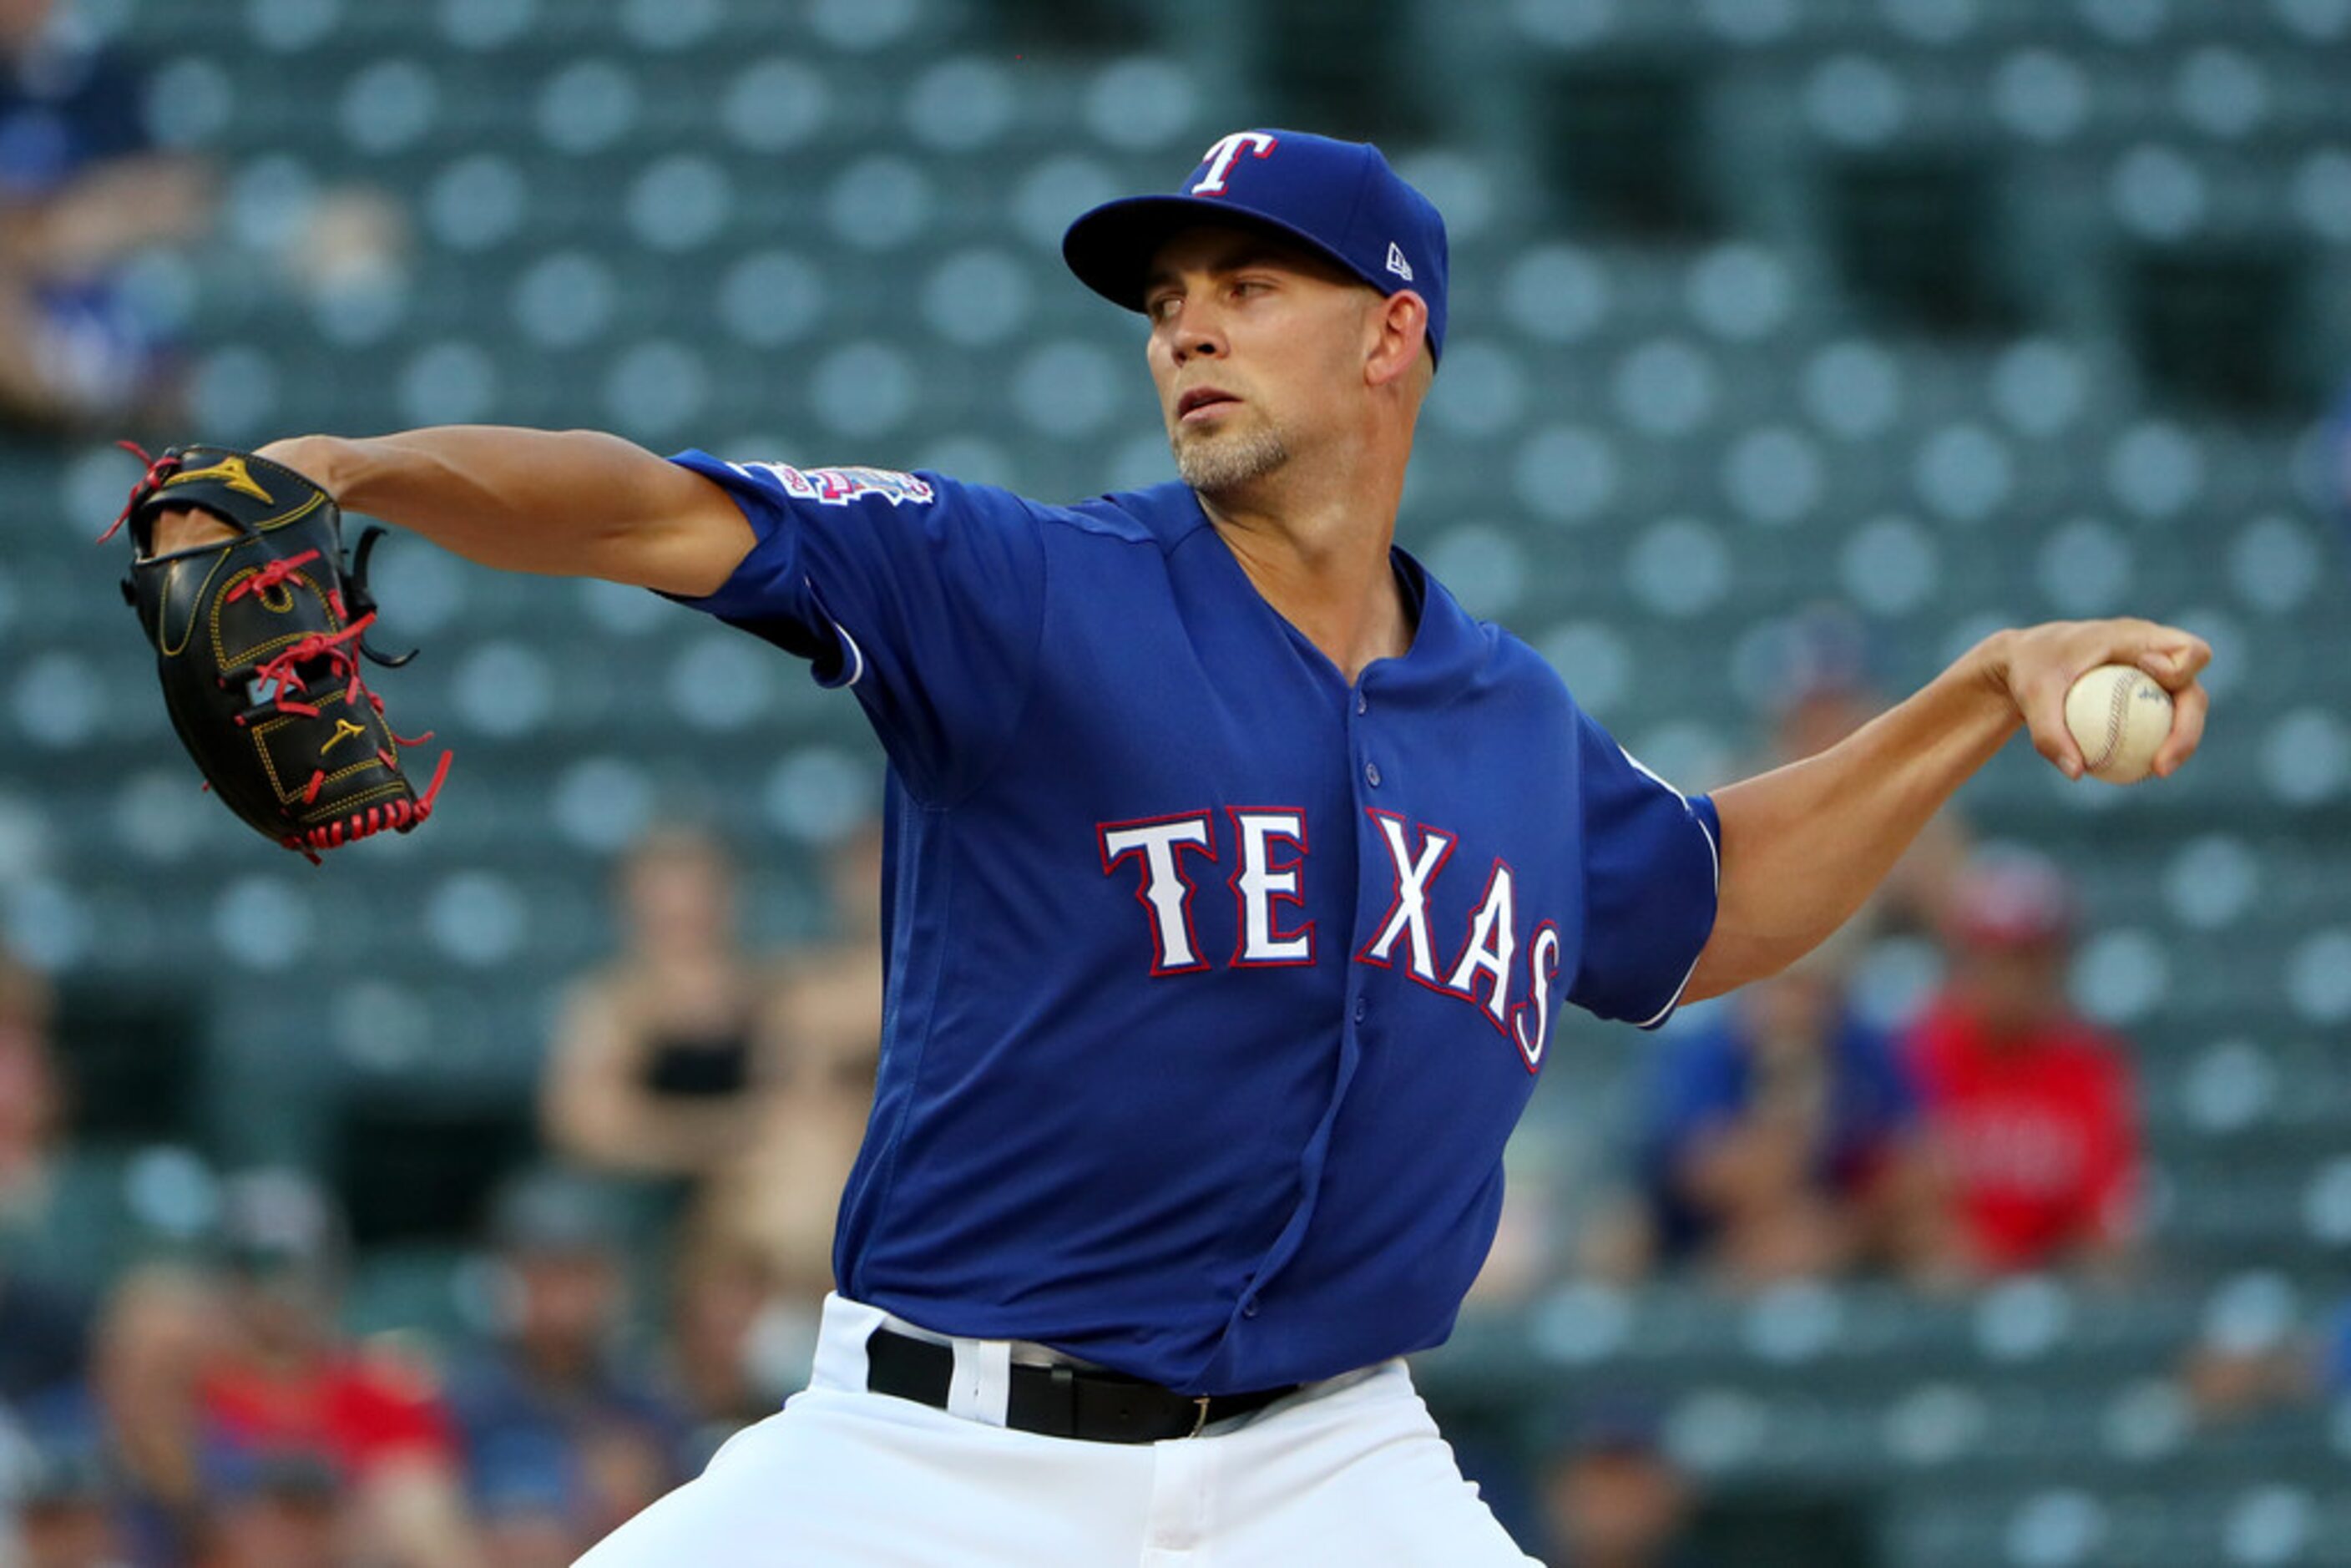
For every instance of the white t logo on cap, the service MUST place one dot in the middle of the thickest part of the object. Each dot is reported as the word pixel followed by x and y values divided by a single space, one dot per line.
pixel 1221 157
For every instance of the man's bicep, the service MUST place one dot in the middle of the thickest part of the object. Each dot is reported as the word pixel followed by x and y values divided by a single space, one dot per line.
pixel 681 533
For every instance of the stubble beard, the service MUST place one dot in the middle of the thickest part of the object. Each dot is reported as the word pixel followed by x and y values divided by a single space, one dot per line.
pixel 1216 462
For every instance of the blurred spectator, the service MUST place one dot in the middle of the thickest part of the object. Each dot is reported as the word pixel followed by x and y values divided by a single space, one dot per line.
pixel 562 1442
pixel 42 1336
pixel 2033 1108
pixel 82 188
pixel 32 1098
pixel 351 245
pixel 1612 1497
pixel 1783 1140
pixel 285 1382
pixel 822 1036
pixel 2257 1356
pixel 1524 1256
pixel 656 1069
pixel 278 1510
pixel 64 1516
pixel 731 1353
pixel 527 1529
pixel 139 1415
pixel 62 1220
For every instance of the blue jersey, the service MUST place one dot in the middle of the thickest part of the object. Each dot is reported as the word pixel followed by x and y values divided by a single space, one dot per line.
pixel 1214 984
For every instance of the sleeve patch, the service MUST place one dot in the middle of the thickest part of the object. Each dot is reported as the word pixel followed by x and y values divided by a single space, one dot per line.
pixel 839 486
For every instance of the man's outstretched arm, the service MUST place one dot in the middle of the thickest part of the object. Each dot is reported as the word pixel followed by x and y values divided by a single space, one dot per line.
pixel 1802 846
pixel 573 503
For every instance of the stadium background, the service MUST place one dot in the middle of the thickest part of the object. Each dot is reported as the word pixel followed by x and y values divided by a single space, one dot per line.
pixel 1953 313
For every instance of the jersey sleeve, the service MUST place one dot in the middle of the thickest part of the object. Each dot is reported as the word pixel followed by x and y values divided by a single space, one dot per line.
pixel 923 595
pixel 1650 873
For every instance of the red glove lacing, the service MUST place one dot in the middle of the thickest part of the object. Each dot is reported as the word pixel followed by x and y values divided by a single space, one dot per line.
pixel 158 470
pixel 274 575
pixel 376 819
pixel 280 673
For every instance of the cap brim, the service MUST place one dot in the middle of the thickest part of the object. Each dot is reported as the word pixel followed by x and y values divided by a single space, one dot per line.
pixel 1111 247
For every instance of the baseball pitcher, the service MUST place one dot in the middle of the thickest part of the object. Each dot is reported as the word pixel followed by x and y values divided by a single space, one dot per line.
pixel 1237 882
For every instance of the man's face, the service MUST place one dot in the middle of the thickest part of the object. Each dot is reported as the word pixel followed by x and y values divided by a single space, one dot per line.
pixel 2013 989
pixel 29 1087
pixel 266 1531
pixel 680 898
pixel 1255 346
pixel 1616 1507
pixel 1791 1015
pixel 568 1300
pixel 68 1534
pixel 21 21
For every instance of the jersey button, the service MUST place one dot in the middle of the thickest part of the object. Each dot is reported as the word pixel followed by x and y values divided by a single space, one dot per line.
pixel 1362 702
pixel 1248 1308
pixel 1362 1007
pixel 1372 774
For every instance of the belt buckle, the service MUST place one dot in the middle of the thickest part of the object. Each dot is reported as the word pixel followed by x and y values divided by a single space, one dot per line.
pixel 1199 1421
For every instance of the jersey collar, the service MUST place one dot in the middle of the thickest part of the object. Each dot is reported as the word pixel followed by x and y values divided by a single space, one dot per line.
pixel 1449 646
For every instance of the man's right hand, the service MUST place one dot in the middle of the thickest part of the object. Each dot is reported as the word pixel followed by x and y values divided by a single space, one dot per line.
pixel 188 529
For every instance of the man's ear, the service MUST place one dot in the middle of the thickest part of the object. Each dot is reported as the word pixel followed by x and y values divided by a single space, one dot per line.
pixel 1399 336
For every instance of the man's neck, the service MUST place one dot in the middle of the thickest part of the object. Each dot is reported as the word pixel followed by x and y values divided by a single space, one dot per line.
pixel 1320 555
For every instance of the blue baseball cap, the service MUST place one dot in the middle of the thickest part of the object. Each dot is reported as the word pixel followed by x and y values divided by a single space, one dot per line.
pixel 1339 199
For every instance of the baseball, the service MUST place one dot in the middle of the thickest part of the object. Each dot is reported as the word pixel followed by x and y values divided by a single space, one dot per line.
pixel 2119 716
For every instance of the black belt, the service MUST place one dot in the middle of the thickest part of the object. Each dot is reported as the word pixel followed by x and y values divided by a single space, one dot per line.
pixel 1059 1401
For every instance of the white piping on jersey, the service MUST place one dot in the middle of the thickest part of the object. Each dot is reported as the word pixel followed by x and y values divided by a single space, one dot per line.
pixel 1655 1018
pixel 856 654
pixel 1713 851
pixel 1645 771
pixel 1713 854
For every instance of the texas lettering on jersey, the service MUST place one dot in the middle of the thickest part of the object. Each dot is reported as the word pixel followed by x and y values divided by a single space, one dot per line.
pixel 1498 960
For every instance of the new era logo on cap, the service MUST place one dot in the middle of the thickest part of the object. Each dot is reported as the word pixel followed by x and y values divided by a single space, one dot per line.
pixel 1340 198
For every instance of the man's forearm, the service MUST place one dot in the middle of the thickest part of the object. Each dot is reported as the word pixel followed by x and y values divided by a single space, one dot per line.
pixel 1804 845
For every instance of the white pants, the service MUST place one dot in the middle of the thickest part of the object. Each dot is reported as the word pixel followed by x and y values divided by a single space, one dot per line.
pixel 1349 1473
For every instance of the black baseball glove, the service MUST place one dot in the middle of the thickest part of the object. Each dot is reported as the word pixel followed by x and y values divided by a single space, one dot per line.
pixel 257 639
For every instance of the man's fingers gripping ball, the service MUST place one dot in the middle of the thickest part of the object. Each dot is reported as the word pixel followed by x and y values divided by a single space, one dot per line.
pixel 238 576
pixel 2177 660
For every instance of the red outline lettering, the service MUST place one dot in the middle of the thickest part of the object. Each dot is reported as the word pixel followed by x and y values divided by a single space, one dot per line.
pixel 1497 1010
pixel 1425 883
pixel 1207 846
pixel 1296 868
pixel 1538 995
